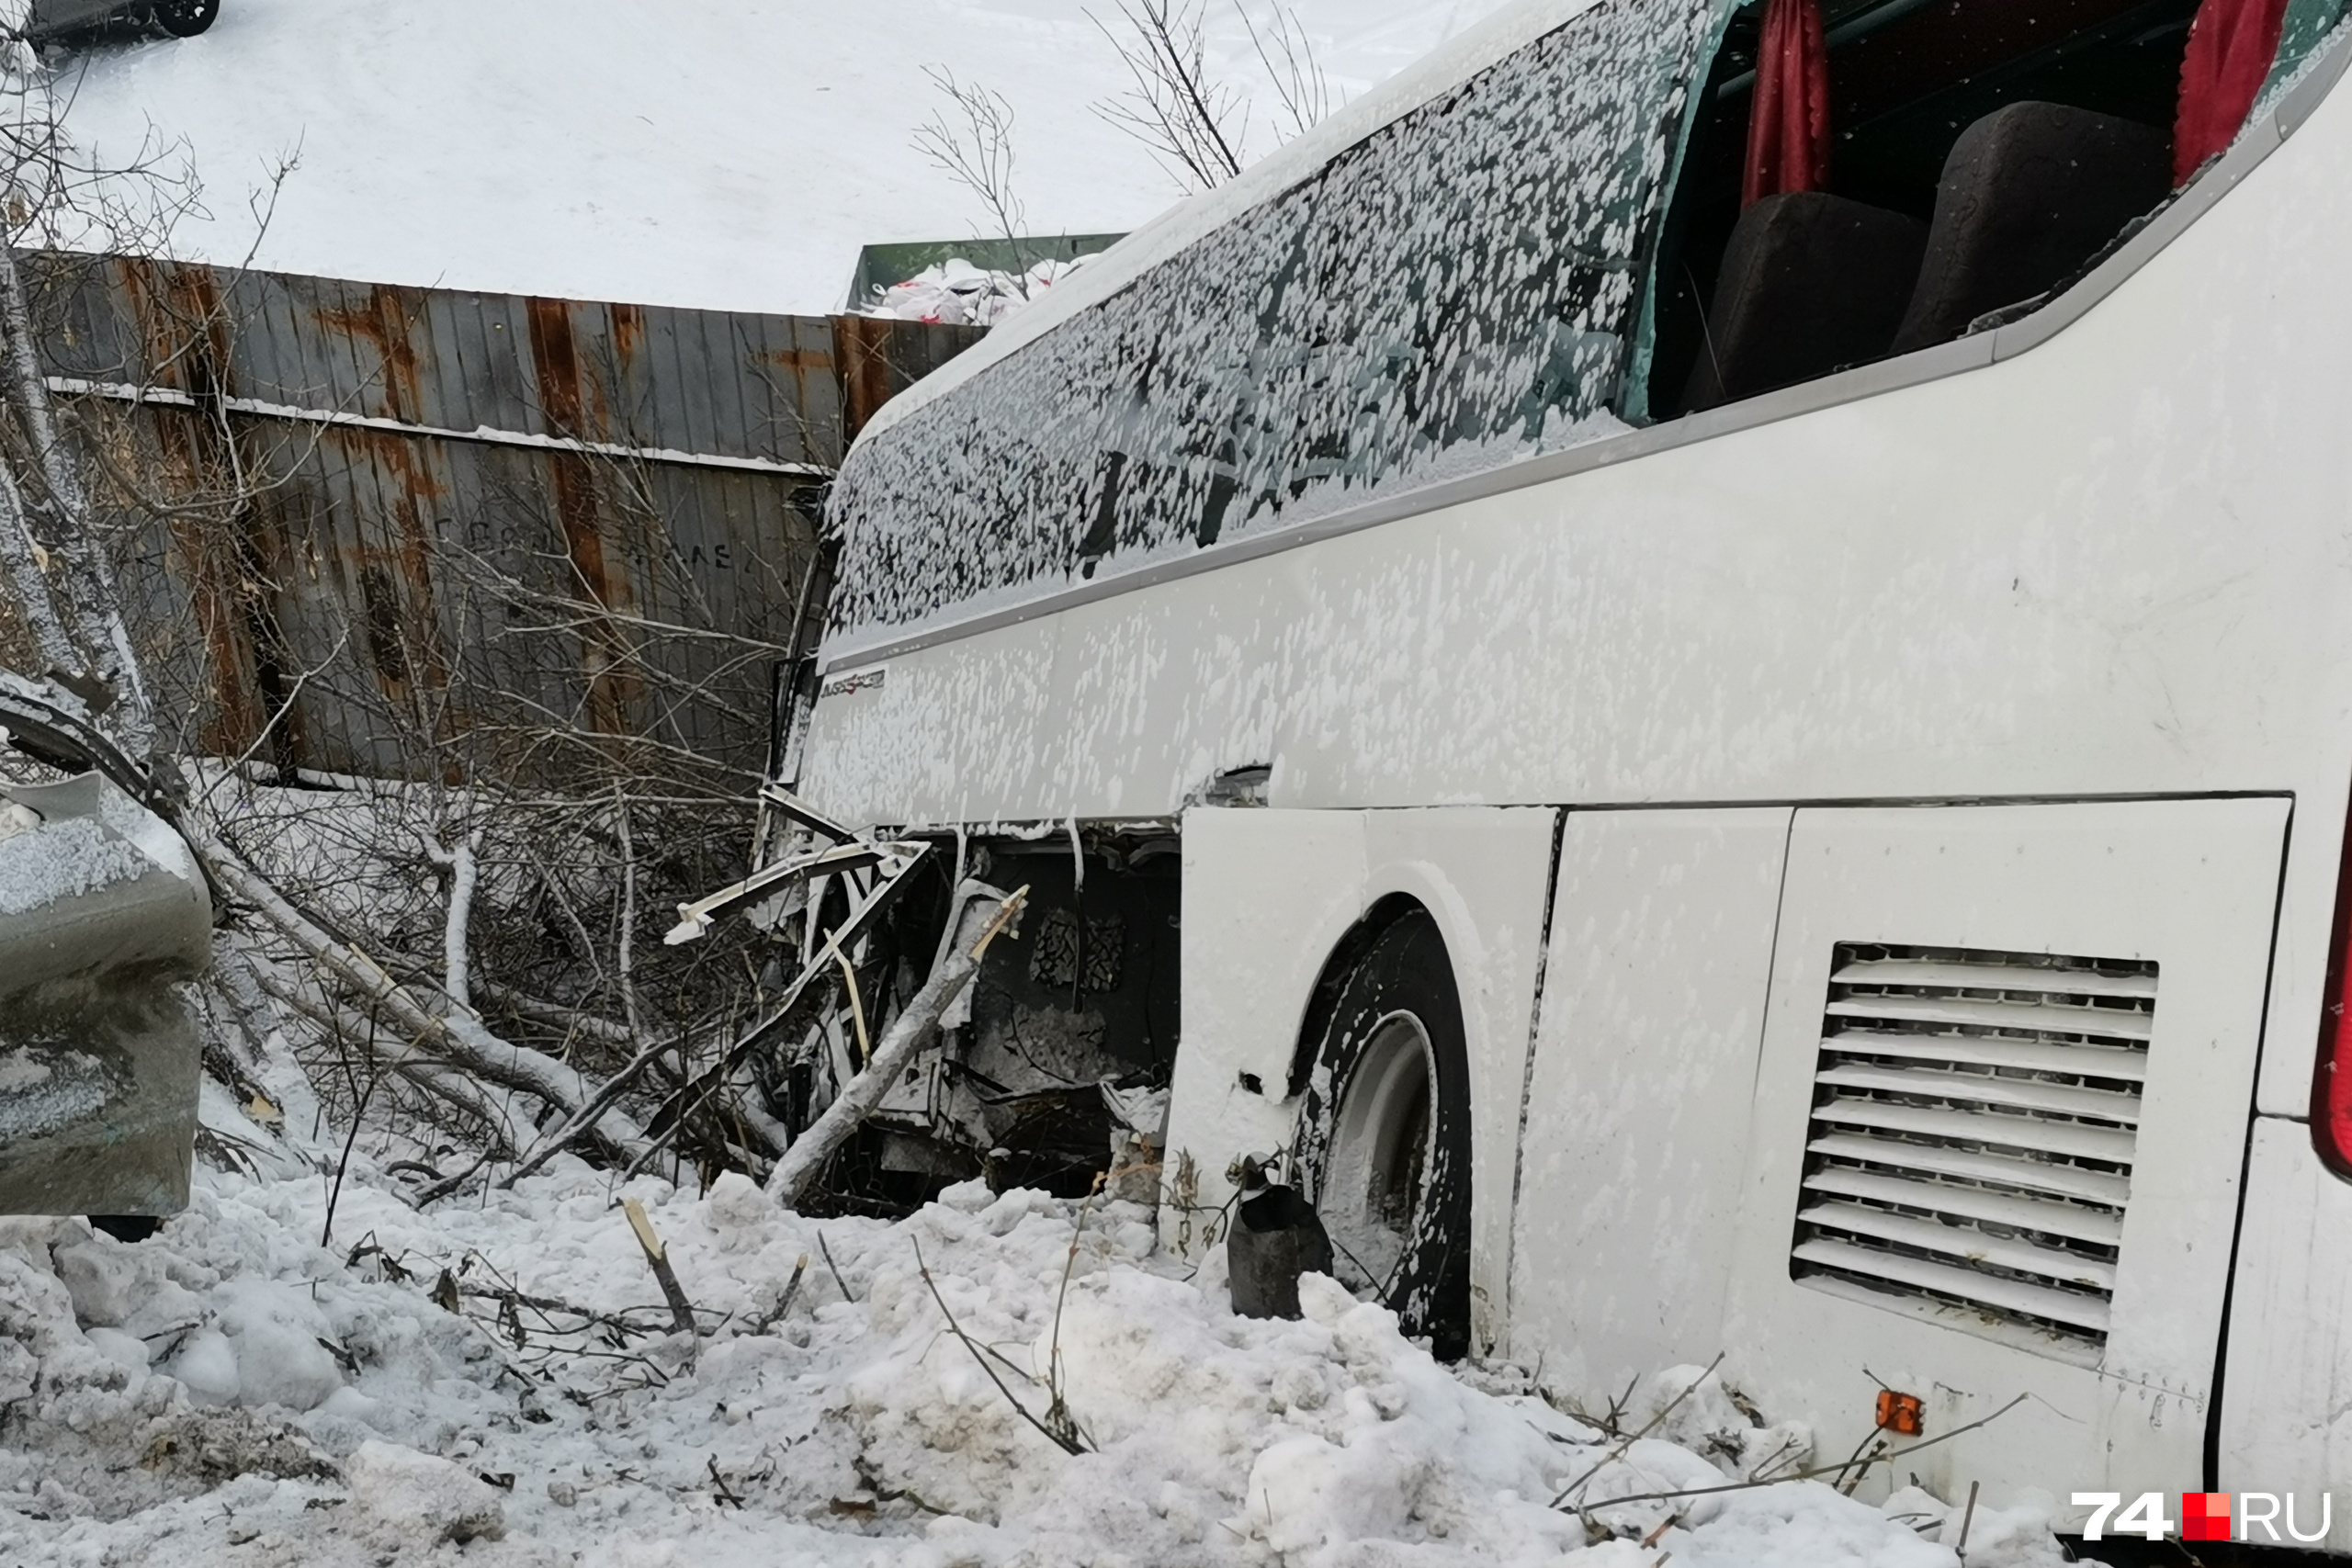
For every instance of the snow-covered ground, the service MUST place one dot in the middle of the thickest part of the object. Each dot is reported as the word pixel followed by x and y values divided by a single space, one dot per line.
pixel 731 156
pixel 231 1392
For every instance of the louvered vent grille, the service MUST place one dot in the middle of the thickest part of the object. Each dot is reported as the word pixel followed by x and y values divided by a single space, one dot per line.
pixel 1974 1125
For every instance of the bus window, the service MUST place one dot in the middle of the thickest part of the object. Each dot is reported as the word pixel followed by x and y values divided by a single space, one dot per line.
pixel 2302 30
pixel 1456 289
pixel 1980 154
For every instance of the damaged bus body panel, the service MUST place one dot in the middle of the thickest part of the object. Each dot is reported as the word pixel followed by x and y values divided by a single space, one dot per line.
pixel 1057 1048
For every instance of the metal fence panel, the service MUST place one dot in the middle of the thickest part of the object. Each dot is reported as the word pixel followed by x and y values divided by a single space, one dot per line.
pixel 362 523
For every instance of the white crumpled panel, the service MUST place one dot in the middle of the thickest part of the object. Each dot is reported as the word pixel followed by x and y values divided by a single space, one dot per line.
pixel 1454 291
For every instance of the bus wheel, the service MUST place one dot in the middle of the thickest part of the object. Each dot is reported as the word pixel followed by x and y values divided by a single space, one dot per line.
pixel 1383 1137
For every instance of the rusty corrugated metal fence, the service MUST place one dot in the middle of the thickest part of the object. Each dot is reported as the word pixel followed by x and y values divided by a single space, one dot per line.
pixel 367 528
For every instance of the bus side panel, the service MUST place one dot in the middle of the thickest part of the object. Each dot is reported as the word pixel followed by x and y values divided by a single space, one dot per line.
pixel 2287 1385
pixel 1639 1097
pixel 2189 886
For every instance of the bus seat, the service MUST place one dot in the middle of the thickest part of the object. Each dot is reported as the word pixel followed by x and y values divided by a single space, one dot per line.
pixel 2230 49
pixel 1810 282
pixel 2029 193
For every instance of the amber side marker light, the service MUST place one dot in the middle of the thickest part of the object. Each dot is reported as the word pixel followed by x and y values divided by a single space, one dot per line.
pixel 2332 1079
pixel 1901 1413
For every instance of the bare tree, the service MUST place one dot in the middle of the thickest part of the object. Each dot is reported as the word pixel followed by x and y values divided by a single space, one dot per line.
pixel 1287 54
pixel 456 945
pixel 1193 122
pixel 390 934
pixel 491 907
pixel 62 591
pixel 971 142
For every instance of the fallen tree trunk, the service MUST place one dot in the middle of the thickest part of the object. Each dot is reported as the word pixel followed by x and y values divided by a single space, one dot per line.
pixel 797 1171
pixel 457 1037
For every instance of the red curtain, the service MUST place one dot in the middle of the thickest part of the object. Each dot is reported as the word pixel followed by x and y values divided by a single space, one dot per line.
pixel 1788 121
pixel 2231 46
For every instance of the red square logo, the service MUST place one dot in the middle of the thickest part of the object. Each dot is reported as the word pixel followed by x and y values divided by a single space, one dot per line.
pixel 2204 1515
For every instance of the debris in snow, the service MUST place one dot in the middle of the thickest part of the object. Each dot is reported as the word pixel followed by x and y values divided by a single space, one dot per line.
pixel 1143 1111
pixel 1280 1239
pixel 847 1430
pixel 959 294
pixel 971 925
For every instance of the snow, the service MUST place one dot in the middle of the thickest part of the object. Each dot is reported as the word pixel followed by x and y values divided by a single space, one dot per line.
pixel 958 293
pixel 69 858
pixel 421 1497
pixel 663 152
pixel 230 1388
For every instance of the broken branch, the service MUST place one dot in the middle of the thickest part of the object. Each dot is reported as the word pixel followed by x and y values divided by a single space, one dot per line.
pixel 1652 1425
pixel 457 1037
pixel 1815 1474
pixel 774 1315
pixel 682 1310
pixel 832 1268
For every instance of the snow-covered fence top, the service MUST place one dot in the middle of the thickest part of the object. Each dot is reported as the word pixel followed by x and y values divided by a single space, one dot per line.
pixel 711 387
pixel 1458 287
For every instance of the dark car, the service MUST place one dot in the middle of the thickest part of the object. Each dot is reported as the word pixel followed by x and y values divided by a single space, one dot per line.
pixel 49 20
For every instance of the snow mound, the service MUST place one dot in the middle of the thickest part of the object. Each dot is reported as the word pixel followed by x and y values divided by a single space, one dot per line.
pixel 496 1375
pixel 423 1497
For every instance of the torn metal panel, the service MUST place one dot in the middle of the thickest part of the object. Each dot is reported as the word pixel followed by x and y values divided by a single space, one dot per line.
pixel 770 881
pixel 102 913
pixel 1068 1038
pixel 873 888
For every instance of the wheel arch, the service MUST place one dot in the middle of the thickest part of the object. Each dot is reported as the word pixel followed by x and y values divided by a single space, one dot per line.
pixel 1393 891
pixel 1277 903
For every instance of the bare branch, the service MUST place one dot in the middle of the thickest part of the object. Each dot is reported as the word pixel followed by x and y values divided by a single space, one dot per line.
pixel 1191 123
pixel 1288 56
pixel 458 1038
pixel 971 142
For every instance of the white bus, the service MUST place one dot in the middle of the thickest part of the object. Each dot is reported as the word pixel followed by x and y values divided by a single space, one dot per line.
pixel 1767 780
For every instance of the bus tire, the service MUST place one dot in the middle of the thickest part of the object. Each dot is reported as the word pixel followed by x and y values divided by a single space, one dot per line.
pixel 1383 1147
